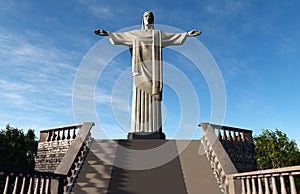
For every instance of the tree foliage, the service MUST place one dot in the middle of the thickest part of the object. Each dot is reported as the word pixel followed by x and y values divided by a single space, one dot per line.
pixel 17 150
pixel 275 150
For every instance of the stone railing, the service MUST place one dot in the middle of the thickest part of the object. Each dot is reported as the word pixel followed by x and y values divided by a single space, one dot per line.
pixel 61 154
pixel 16 182
pixel 53 145
pixel 229 133
pixel 63 150
pixel 238 144
pixel 75 156
pixel 60 133
pixel 280 180
pixel 229 150
pixel 215 165
pixel 219 160
pixel 77 165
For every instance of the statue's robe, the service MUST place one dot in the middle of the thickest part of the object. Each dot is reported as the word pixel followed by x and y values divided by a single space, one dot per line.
pixel 146 50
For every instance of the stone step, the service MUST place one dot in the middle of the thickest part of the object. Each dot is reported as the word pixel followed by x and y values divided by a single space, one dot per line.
pixel 187 172
pixel 95 175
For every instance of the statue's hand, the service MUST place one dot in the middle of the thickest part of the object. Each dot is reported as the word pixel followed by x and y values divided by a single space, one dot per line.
pixel 194 33
pixel 101 32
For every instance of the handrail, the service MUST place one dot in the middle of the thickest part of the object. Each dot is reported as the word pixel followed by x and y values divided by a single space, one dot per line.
pixel 69 164
pixel 68 159
pixel 74 179
pixel 59 133
pixel 219 160
pixel 229 133
pixel 70 145
pixel 53 145
pixel 62 149
pixel 294 169
pixel 252 182
pixel 61 127
pixel 31 182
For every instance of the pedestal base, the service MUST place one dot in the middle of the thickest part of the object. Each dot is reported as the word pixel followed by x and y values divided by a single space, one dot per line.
pixel 146 135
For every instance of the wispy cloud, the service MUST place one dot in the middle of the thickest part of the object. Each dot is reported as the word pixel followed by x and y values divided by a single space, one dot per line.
pixel 19 50
pixel 106 11
pixel 225 8
pixel 14 92
pixel 103 98
pixel 11 5
pixel 13 86
pixel 36 79
pixel 119 101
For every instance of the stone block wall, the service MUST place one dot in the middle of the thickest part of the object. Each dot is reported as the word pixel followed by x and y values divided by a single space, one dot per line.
pixel 242 155
pixel 50 154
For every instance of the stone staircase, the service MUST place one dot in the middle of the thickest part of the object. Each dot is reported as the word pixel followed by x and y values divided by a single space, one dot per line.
pixel 142 166
pixel 188 172
pixel 223 161
pixel 96 174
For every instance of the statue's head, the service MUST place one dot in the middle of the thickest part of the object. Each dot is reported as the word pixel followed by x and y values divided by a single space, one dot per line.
pixel 148 20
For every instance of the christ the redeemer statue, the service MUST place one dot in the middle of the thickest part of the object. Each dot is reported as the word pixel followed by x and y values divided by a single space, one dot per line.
pixel 146 50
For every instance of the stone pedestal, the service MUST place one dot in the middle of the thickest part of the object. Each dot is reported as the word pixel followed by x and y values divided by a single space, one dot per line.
pixel 146 135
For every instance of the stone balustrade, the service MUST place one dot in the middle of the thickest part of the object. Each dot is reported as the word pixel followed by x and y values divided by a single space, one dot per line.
pixel 16 182
pixel 215 165
pixel 53 145
pixel 62 150
pixel 73 159
pixel 280 180
pixel 236 142
pixel 229 150
pixel 60 133
pixel 220 161
pixel 229 133
pixel 61 154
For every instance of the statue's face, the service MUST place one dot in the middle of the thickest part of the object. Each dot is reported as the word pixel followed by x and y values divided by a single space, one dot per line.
pixel 148 19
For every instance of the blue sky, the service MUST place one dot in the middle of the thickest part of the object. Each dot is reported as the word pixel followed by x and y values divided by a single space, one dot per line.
pixel 254 43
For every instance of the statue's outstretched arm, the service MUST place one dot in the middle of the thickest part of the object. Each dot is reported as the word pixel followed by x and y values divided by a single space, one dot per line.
pixel 101 32
pixel 194 33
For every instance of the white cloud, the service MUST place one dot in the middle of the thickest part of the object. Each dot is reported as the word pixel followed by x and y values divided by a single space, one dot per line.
pixel 119 102
pixel 226 8
pixel 101 10
pixel 17 99
pixel 14 92
pixel 13 86
pixel 117 14
pixel 36 81
pixel 18 49
pixel 103 98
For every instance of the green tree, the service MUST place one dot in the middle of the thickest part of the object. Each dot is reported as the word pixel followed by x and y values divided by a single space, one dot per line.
pixel 17 150
pixel 275 150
